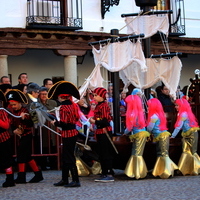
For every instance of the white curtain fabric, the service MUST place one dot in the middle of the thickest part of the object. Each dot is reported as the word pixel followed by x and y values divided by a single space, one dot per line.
pixel 128 58
pixel 114 57
pixel 93 81
pixel 119 55
pixel 149 25
pixel 166 70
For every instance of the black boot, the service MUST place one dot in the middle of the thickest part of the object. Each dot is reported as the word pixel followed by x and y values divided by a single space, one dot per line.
pixel 75 179
pixel 37 178
pixel 9 181
pixel 21 177
pixel 65 174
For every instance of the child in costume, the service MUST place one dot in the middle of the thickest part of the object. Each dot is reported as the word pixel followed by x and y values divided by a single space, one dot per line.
pixel 157 125
pixel 5 145
pixel 135 123
pixel 67 119
pixel 102 118
pixel 189 162
pixel 22 127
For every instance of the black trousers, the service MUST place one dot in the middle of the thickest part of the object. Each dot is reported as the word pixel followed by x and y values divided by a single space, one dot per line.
pixel 24 149
pixel 6 159
pixel 68 157
pixel 106 153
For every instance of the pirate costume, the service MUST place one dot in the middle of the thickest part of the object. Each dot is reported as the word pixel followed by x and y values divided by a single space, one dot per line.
pixel 66 120
pixel 103 133
pixel 5 145
pixel 23 128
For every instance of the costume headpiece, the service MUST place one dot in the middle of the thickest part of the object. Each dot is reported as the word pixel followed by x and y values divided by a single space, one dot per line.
pixel 101 92
pixel 63 87
pixel 16 95
pixel 136 91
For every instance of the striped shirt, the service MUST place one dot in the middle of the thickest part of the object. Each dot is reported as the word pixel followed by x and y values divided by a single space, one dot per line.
pixel 68 118
pixel 102 110
pixel 4 125
pixel 26 124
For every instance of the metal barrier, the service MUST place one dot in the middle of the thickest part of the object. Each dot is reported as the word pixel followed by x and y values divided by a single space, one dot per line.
pixel 45 143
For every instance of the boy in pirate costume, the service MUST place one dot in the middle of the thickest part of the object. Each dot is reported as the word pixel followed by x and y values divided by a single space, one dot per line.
pixel 5 145
pixel 67 119
pixel 102 118
pixel 23 128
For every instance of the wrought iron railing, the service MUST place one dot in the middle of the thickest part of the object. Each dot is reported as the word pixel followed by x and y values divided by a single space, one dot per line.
pixel 54 13
pixel 177 19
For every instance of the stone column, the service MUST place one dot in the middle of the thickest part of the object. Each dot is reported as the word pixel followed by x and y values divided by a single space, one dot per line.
pixel 3 65
pixel 70 69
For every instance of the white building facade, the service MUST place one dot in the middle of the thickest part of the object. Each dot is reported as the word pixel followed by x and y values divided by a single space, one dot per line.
pixel 44 63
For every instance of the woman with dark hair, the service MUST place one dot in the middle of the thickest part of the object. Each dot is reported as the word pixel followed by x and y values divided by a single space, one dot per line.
pixel 23 88
pixel 189 162
pixel 157 125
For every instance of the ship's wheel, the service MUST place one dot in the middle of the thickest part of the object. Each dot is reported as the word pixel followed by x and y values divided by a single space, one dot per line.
pixel 193 91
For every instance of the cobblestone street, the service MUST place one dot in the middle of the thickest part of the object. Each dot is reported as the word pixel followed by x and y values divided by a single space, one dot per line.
pixel 176 188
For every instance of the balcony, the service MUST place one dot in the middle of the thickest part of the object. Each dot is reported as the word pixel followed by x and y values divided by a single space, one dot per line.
pixel 54 14
pixel 177 19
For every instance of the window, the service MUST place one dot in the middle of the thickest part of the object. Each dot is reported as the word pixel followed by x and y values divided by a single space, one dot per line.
pixel 54 13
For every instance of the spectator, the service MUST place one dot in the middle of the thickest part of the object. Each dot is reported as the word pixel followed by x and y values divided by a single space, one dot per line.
pixel 165 99
pixel 47 82
pixel 122 108
pixel 5 80
pixel 23 88
pixel 22 79
pixel 168 105
pixel 49 104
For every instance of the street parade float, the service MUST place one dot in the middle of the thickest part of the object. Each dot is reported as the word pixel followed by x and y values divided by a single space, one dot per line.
pixel 129 58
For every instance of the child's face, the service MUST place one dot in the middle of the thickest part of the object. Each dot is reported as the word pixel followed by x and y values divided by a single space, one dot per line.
pixel 98 98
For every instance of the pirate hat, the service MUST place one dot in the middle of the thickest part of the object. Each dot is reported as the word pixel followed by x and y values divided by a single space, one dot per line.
pixel 63 87
pixel 4 87
pixel 2 96
pixel 16 95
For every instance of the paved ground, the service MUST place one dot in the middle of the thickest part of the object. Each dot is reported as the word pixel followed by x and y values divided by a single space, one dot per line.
pixel 176 188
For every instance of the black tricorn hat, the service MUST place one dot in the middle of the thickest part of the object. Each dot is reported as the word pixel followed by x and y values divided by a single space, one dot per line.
pixel 16 95
pixel 2 96
pixel 4 87
pixel 63 87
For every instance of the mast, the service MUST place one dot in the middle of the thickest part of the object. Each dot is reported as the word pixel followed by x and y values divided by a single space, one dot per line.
pixel 145 5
